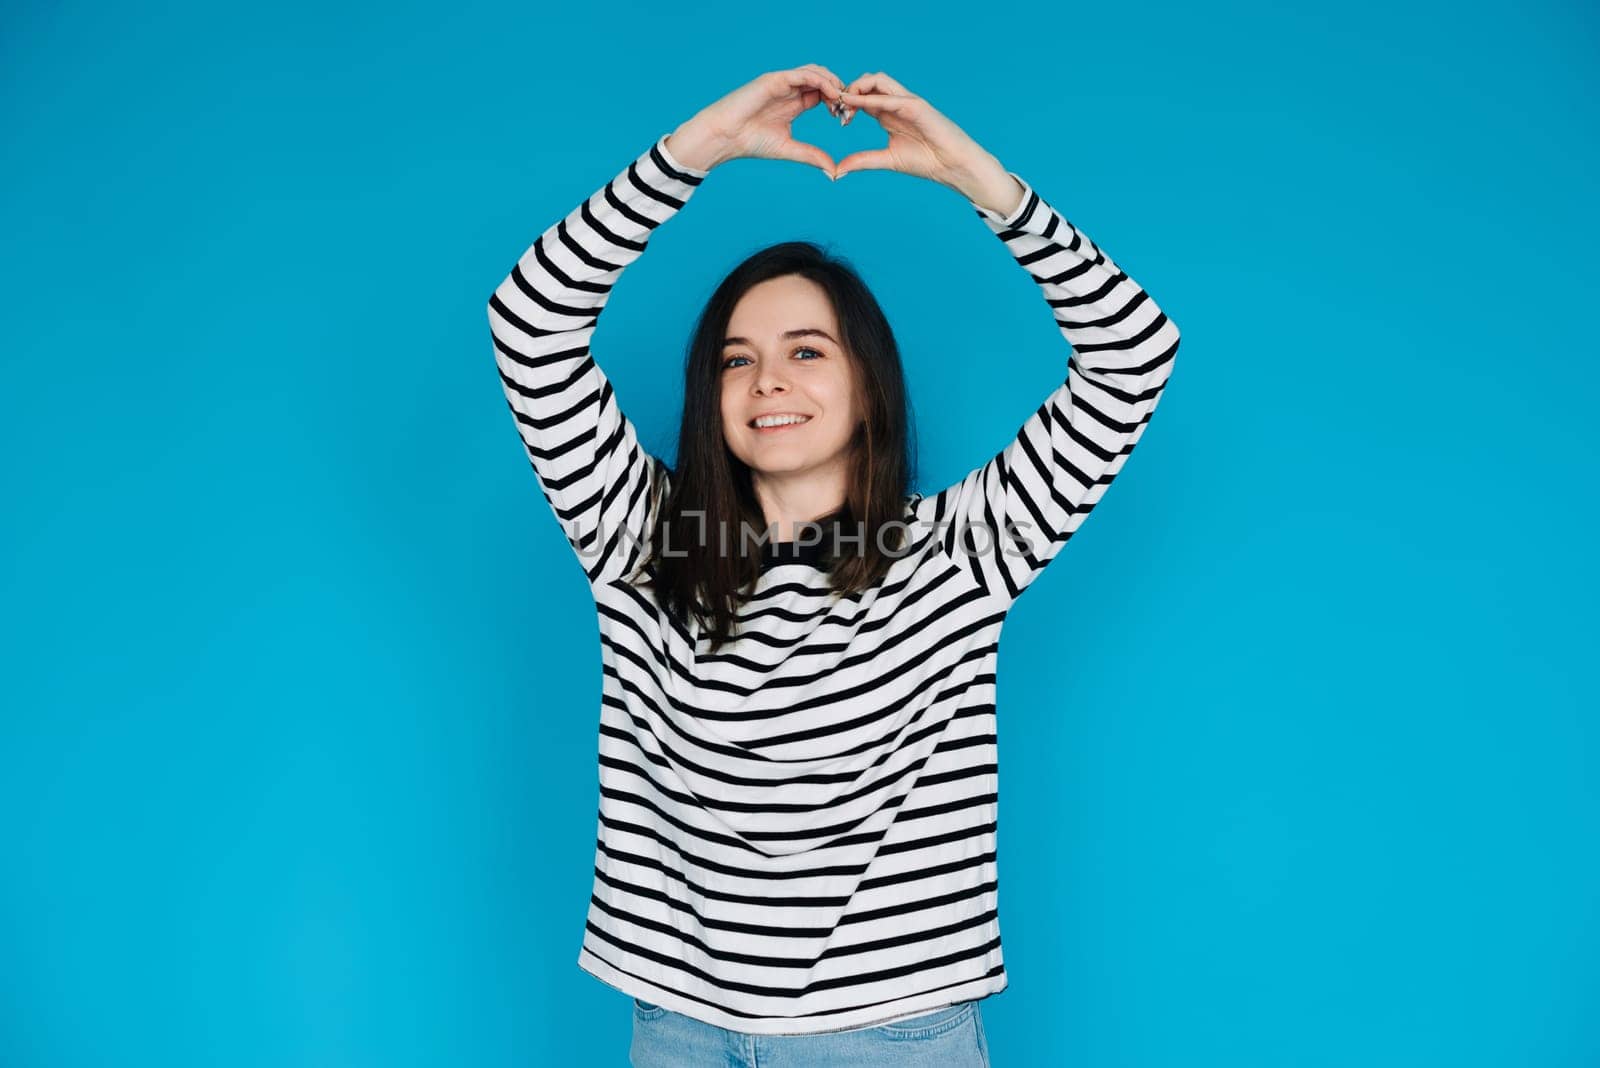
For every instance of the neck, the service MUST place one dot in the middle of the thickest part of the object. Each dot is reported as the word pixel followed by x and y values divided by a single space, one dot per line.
pixel 785 505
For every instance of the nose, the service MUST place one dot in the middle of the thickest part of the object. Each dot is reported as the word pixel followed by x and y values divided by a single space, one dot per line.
pixel 769 380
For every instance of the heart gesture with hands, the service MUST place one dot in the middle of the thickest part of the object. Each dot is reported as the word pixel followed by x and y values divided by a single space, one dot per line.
pixel 755 121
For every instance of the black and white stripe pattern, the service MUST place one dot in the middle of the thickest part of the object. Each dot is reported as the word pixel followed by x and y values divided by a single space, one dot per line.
pixel 797 833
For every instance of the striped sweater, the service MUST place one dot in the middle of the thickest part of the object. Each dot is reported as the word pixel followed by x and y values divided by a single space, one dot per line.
pixel 796 834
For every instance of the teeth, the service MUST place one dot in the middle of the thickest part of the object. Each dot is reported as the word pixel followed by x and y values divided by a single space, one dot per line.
pixel 780 420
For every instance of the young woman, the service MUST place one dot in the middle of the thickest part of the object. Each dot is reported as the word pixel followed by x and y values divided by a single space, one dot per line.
pixel 798 794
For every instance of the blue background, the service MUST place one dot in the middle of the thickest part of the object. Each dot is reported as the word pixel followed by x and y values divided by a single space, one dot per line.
pixel 301 680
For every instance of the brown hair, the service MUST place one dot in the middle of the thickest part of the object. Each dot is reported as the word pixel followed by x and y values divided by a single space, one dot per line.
pixel 711 488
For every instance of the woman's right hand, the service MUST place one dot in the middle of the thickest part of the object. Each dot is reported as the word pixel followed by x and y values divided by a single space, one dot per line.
pixel 753 121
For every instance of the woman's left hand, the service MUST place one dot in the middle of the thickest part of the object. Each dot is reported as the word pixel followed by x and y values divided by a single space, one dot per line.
pixel 924 143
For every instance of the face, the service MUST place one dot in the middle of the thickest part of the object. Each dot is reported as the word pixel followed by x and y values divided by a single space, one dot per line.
pixel 783 356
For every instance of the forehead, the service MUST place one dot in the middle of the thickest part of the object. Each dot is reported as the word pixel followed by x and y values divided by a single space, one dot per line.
pixel 779 304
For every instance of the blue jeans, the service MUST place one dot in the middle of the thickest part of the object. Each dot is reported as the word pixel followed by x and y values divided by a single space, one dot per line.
pixel 951 1037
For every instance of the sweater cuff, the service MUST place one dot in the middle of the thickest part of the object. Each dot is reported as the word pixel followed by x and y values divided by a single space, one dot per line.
pixel 674 161
pixel 1018 215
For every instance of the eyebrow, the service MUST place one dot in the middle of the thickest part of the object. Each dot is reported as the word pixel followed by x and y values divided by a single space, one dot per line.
pixel 805 331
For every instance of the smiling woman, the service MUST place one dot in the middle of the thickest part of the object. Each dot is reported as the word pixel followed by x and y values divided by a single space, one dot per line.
pixel 798 782
pixel 799 465
pixel 794 331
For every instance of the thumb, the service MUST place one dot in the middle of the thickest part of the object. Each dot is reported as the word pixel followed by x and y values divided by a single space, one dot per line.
pixel 799 152
pixel 873 159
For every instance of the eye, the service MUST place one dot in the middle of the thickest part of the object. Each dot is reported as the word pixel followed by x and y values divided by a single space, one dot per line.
pixel 728 363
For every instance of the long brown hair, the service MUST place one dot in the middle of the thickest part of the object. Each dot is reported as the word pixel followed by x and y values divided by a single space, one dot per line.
pixel 711 489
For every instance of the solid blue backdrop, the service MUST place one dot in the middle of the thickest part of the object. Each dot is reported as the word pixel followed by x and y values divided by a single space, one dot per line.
pixel 301 680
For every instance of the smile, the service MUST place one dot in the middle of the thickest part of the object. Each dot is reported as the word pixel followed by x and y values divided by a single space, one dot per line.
pixel 781 422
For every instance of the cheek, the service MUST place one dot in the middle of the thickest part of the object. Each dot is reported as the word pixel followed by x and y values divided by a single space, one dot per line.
pixel 840 391
pixel 847 400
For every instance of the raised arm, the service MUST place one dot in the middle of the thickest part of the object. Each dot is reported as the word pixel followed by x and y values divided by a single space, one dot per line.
pixel 1010 516
pixel 1037 490
pixel 583 449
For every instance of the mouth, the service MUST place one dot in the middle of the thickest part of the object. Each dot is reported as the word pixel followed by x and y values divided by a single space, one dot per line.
pixel 780 427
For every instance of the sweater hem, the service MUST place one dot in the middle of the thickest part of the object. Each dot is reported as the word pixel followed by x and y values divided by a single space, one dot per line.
pixel 877 1015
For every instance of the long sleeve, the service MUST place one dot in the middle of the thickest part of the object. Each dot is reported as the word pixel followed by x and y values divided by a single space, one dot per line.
pixel 1032 495
pixel 583 449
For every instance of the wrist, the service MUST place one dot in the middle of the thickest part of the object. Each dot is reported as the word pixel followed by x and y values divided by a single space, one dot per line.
pixel 696 147
pixel 991 187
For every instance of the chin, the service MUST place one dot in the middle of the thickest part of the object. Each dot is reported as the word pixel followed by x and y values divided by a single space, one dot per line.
pixel 780 468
